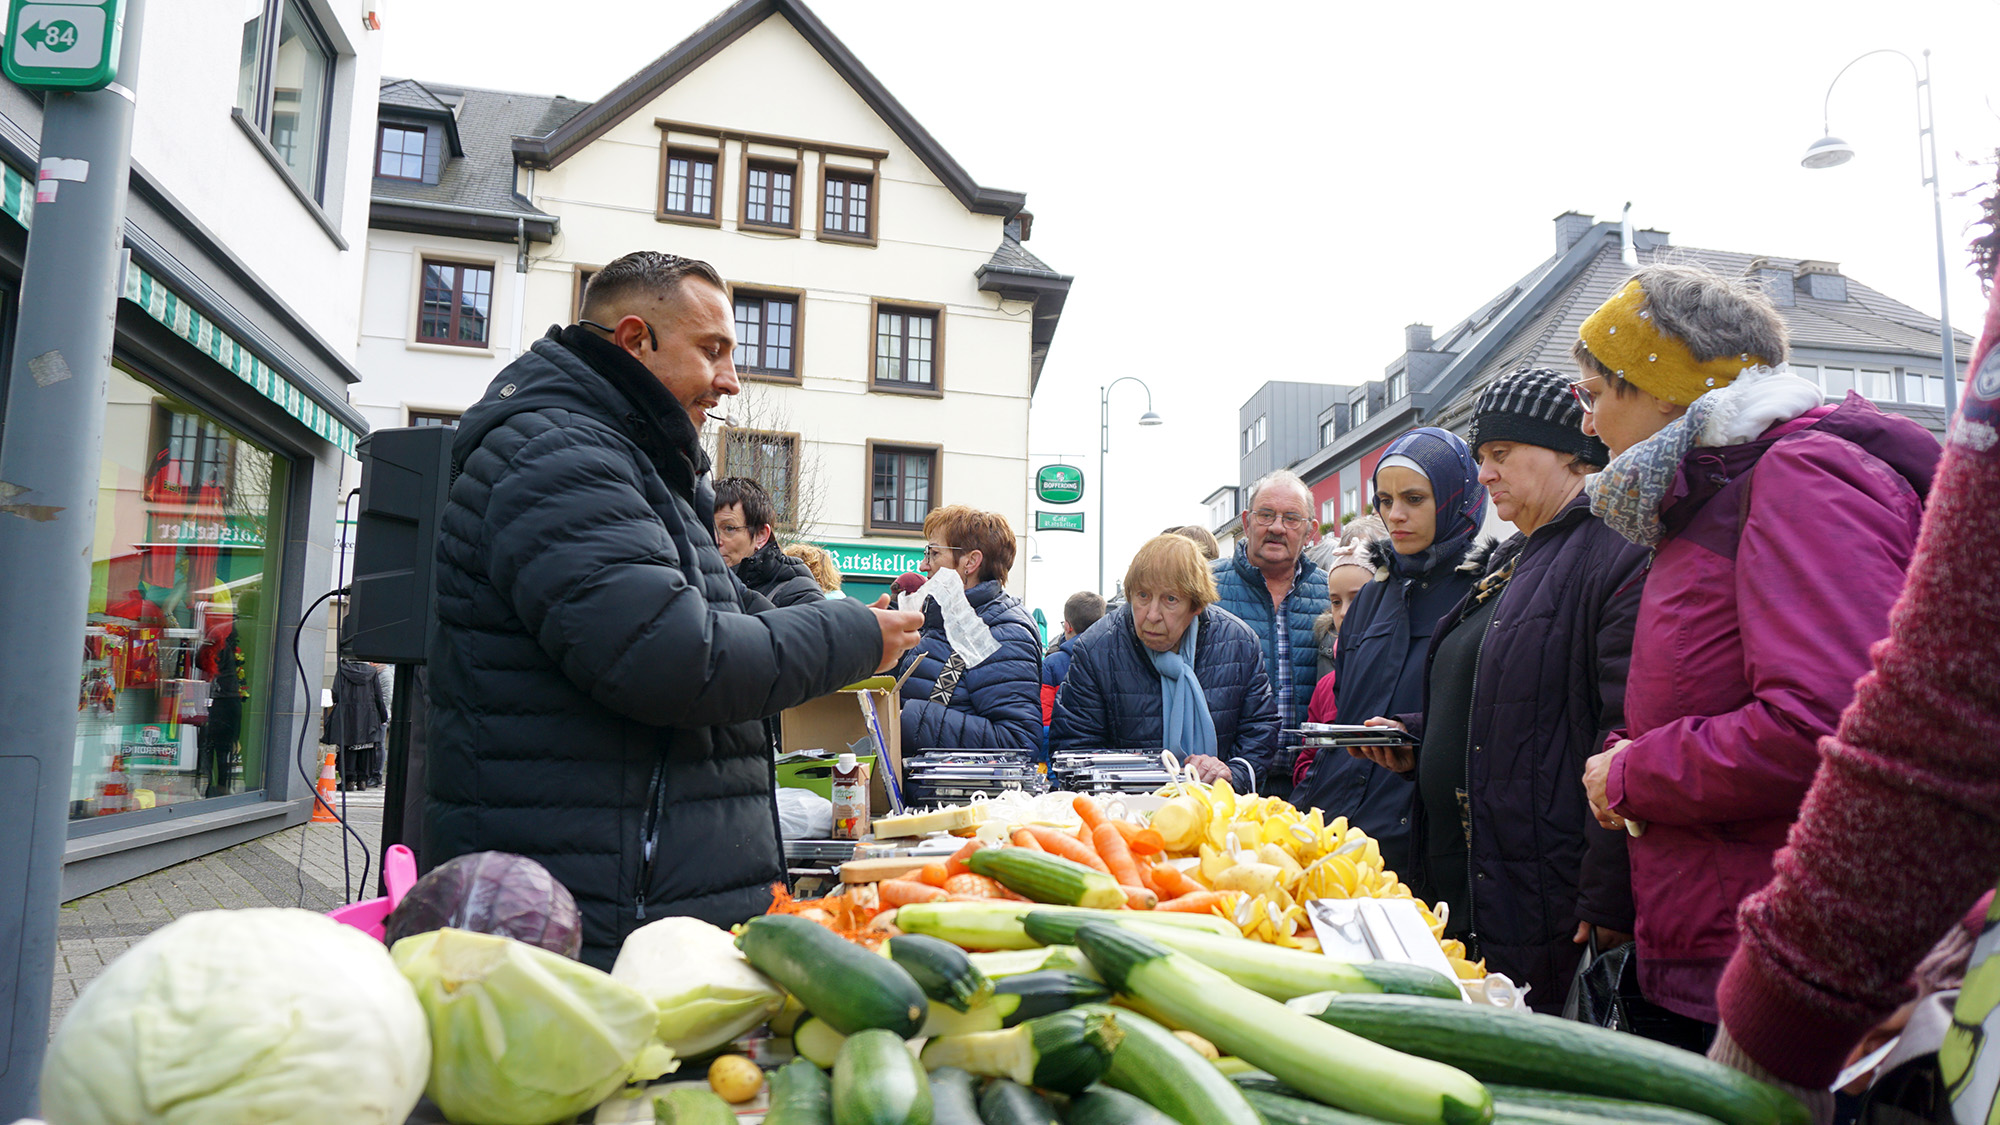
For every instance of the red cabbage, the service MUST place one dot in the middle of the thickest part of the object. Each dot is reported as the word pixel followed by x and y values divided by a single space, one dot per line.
pixel 491 893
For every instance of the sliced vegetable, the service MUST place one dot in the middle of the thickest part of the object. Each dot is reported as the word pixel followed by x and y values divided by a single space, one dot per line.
pixel 1101 1105
pixel 997 925
pixel 1065 1052
pixel 941 969
pixel 837 980
pixel 1006 1102
pixel 1142 841
pixel 800 1095
pixel 1523 1103
pixel 816 1040
pixel 1048 878
pixel 1153 1064
pixel 1343 1070
pixel 1525 1049
pixel 876 1082
pixel 954 1098
pixel 691 1105
pixel 1278 973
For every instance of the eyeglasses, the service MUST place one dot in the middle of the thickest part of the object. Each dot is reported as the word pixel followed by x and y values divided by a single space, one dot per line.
pixel 940 549
pixel 1292 520
pixel 730 529
pixel 1585 399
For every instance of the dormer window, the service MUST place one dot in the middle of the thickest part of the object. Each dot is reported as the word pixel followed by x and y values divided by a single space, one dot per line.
pixel 399 153
pixel 1357 412
pixel 1399 385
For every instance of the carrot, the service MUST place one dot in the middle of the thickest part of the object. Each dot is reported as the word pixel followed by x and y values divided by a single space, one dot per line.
pixel 1139 898
pixel 1087 807
pixel 1142 840
pixel 956 864
pixel 1203 903
pixel 1025 839
pixel 977 885
pixel 902 892
pixel 933 874
pixel 1172 882
pixel 1149 876
pixel 1117 857
pixel 1057 842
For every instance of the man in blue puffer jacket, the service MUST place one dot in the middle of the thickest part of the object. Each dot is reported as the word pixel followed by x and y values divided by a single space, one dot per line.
pixel 1268 581
pixel 996 703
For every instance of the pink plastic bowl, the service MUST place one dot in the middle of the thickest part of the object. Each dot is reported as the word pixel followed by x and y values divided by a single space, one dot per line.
pixel 399 870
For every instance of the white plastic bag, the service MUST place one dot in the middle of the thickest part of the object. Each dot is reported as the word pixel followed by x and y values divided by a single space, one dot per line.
pixel 804 815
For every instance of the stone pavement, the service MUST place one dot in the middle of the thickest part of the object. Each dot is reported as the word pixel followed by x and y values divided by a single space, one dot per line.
pixel 94 930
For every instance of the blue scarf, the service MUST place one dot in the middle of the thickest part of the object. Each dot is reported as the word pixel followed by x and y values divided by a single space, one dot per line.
pixel 1461 499
pixel 1185 724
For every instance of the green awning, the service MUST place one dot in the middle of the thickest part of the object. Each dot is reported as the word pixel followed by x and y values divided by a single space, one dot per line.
pixel 164 305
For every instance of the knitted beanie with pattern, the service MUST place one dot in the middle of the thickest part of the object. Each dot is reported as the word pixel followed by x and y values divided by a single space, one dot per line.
pixel 1534 406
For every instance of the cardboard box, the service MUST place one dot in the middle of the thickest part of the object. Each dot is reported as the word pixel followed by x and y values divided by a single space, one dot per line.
pixel 834 722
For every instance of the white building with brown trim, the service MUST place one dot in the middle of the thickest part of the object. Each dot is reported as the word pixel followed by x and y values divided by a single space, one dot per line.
pixel 892 326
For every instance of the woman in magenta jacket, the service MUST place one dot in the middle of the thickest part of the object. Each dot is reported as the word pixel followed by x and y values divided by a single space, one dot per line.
pixel 1782 529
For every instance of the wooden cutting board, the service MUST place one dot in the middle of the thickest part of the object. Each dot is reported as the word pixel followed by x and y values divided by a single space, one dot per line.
pixel 876 870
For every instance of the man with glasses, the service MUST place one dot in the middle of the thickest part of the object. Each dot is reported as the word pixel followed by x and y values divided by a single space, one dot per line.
pixel 1278 591
pixel 746 533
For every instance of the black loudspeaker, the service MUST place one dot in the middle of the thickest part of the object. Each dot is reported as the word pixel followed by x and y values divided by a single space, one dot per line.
pixel 392 609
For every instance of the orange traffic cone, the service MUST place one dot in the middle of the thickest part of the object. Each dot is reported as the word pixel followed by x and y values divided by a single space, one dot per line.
pixel 322 803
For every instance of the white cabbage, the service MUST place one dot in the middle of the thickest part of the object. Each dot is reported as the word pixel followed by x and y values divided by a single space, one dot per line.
pixel 241 1017
pixel 705 989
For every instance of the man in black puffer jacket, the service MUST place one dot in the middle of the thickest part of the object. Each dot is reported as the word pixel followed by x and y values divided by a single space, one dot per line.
pixel 596 684
pixel 746 533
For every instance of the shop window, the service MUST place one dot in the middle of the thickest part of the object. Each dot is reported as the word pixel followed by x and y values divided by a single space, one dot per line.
pixel 283 86
pixel 770 459
pixel 906 349
pixel 399 153
pixel 902 486
pixel 847 205
pixel 176 686
pixel 689 187
pixel 456 305
pixel 766 334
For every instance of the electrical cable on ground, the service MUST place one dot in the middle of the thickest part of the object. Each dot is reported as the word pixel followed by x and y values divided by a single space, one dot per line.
pixel 299 760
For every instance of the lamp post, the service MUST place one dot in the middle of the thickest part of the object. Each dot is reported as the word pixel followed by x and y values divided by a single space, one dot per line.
pixel 1104 446
pixel 1034 548
pixel 1829 151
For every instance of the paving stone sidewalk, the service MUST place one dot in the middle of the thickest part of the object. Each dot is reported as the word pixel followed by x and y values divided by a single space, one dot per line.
pixel 94 930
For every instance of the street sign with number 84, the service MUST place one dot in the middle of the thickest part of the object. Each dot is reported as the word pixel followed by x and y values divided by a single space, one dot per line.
pixel 63 44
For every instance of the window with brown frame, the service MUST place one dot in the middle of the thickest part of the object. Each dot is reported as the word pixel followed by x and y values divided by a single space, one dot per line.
pixel 690 186
pixel 583 276
pixel 847 209
pixel 399 153
pixel 906 348
pixel 435 418
pixel 456 305
pixel 767 334
pixel 768 195
pixel 770 459
pixel 902 486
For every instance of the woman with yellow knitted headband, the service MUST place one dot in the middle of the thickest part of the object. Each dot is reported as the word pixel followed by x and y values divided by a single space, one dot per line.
pixel 1751 631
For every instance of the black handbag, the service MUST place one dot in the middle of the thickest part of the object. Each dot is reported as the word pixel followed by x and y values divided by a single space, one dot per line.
pixel 1605 992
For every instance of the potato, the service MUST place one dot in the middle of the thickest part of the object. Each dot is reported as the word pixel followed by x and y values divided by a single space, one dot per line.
pixel 735 1078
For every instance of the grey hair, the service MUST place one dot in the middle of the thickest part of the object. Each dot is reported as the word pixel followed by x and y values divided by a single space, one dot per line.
pixel 1712 314
pixel 650 272
pixel 1279 478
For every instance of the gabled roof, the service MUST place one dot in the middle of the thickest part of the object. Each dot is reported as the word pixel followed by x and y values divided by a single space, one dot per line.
pixel 412 97
pixel 552 146
pixel 476 191
pixel 1018 275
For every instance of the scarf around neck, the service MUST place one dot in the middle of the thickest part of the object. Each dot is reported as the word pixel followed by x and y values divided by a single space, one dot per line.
pixel 1186 727
pixel 1629 492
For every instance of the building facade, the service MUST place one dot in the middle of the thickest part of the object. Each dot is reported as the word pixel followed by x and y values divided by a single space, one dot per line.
pixel 227 423
pixel 891 323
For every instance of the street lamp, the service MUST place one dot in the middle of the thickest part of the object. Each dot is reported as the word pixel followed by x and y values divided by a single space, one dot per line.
pixel 1034 548
pixel 1104 446
pixel 1830 151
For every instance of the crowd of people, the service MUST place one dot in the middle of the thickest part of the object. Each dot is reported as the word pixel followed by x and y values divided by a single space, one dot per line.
pixel 1599 732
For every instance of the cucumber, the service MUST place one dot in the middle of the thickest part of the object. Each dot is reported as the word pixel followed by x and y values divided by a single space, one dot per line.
pixel 1277 1109
pixel 1038 994
pixel 816 1042
pixel 1154 1064
pixel 1342 1070
pixel 1522 1103
pixel 1064 1052
pixel 692 1105
pixel 1049 958
pixel 954 1098
pixel 837 980
pixel 1278 973
pixel 941 969
pixel 1047 878
pixel 876 1082
pixel 800 1095
pixel 1101 1105
pixel 1526 1049
pixel 1005 1102
pixel 997 925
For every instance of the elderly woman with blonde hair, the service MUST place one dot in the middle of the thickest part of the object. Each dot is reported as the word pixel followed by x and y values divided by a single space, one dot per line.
pixel 1171 669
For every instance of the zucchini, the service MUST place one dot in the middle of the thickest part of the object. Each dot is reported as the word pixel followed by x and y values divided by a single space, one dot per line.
pixel 1005 1102
pixel 1278 973
pixel 940 968
pixel 800 1095
pixel 1101 1105
pixel 837 980
pixel 1521 1103
pixel 1048 958
pixel 1342 1070
pixel 1526 1049
pixel 1277 1109
pixel 1018 998
pixel 954 1098
pixel 1047 878
pixel 816 1042
pixel 1064 1052
pixel 876 1082
pixel 788 1017
pixel 997 925
pixel 692 1105
pixel 1172 1077
pixel 944 1021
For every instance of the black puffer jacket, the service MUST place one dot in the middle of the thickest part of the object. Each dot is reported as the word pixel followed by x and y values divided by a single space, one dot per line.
pixel 779 577
pixel 1551 685
pixel 596 687
pixel 1111 698
pixel 997 703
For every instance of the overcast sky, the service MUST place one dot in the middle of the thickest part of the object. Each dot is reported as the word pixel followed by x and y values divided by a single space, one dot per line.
pixel 1260 191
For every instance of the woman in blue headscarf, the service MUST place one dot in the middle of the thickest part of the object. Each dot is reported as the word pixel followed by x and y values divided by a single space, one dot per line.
pixel 1427 490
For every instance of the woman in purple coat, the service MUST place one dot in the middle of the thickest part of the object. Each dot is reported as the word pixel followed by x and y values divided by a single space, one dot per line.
pixel 1781 531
